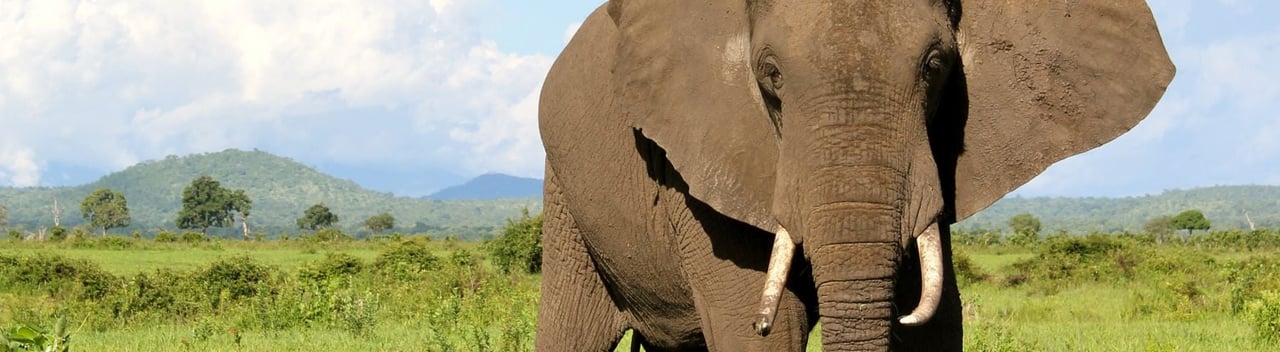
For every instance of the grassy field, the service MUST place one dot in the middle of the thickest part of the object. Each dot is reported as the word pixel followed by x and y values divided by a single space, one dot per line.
pixel 444 296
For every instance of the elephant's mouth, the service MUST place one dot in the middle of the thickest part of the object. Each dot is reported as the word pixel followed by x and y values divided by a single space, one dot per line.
pixel 930 249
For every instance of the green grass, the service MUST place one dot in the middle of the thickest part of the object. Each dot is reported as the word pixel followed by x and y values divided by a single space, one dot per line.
pixel 1147 311
pixel 148 256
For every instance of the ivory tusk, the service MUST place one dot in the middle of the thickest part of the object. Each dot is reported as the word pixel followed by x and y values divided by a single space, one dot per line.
pixel 930 248
pixel 776 278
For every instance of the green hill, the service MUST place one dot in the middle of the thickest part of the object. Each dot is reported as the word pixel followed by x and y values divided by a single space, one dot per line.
pixel 1225 206
pixel 281 189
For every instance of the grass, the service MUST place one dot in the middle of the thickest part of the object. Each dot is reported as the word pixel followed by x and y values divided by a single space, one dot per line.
pixel 148 256
pixel 1172 299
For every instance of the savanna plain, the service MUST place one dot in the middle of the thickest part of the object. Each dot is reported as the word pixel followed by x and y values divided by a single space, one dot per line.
pixel 1209 291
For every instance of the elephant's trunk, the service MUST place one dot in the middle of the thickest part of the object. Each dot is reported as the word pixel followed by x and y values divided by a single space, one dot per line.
pixel 855 294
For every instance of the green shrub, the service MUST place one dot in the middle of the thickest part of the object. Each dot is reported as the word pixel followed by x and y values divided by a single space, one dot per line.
pixel 237 276
pixel 966 271
pixel 57 233
pixel 163 292
pixel 1248 278
pixel 194 237
pixel 28 338
pixel 406 260
pixel 1264 314
pixel 56 275
pixel 519 247
pixel 15 235
pixel 332 266
pixel 112 242
pixel 166 236
pixel 329 235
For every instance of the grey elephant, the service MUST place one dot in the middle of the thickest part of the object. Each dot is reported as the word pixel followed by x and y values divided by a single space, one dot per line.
pixel 693 147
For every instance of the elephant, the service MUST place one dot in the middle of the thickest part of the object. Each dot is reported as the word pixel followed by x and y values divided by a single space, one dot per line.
pixel 693 148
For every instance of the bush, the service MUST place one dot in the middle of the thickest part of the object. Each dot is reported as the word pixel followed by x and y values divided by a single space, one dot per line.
pixel 56 275
pixel 194 237
pixel 329 235
pixel 966 271
pixel 1248 278
pixel 57 233
pixel 406 260
pixel 162 292
pixel 238 277
pixel 519 247
pixel 166 236
pixel 112 242
pixel 1264 313
pixel 332 266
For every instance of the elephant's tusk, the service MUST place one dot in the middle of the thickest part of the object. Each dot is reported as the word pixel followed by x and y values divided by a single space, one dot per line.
pixel 779 265
pixel 930 248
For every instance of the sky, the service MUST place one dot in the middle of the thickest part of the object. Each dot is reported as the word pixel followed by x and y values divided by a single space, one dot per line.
pixel 412 96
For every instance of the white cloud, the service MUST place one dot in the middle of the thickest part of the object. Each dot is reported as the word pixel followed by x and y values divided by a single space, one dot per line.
pixel 111 83
pixel 18 168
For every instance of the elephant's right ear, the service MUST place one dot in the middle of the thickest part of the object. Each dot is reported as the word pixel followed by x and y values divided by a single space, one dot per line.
pixel 1042 81
pixel 684 80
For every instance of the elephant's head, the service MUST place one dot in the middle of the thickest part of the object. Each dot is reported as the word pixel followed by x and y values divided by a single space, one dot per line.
pixel 853 127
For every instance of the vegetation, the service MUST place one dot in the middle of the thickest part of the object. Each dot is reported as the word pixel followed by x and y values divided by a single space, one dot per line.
pixel 281 189
pixel 317 217
pixel 519 247
pixel 4 216
pixel 105 209
pixel 1227 206
pixel 1190 220
pixel 23 338
pixel 205 203
pixel 1160 226
pixel 1025 222
pixel 380 222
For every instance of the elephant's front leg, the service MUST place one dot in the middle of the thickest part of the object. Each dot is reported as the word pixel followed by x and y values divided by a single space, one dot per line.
pixel 576 312
pixel 725 261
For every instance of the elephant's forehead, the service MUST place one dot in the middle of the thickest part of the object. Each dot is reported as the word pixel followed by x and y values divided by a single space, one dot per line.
pixel 860 30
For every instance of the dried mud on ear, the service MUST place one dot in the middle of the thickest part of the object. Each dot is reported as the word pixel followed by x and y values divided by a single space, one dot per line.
pixel 1081 75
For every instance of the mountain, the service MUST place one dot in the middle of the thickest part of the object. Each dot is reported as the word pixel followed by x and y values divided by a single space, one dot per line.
pixel 281 189
pixel 493 186
pixel 1224 206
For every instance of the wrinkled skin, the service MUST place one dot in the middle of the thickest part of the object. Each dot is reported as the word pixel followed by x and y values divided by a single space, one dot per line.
pixel 681 137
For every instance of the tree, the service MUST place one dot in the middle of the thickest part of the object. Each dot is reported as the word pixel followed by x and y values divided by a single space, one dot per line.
pixel 317 217
pixel 1190 220
pixel 1025 223
pixel 205 204
pixel 240 203
pixel 380 222
pixel 1160 226
pixel 520 245
pixel 105 209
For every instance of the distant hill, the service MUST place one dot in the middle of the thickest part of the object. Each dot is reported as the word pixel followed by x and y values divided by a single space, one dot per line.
pixel 281 189
pixel 492 186
pixel 1225 206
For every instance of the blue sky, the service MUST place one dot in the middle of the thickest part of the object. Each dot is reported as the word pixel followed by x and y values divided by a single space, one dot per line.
pixel 412 96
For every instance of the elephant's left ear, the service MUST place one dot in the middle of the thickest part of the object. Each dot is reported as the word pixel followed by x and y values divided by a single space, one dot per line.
pixel 1042 81
pixel 683 79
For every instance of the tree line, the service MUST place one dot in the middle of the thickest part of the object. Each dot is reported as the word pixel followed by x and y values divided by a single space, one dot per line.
pixel 205 204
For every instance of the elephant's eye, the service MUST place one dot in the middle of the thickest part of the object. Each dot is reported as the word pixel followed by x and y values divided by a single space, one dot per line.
pixel 933 65
pixel 775 77
pixel 769 78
